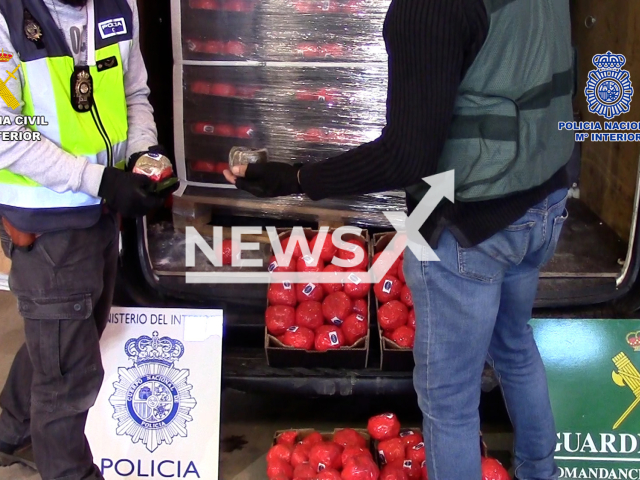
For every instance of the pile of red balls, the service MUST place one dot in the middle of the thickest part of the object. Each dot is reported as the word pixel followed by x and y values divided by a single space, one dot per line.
pixel 400 452
pixel 324 316
pixel 345 456
pixel 396 316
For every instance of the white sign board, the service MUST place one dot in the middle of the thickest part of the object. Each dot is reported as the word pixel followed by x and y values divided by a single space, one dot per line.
pixel 158 412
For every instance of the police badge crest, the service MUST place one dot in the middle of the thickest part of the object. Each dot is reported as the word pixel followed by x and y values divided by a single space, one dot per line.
pixel 152 399
pixel 609 90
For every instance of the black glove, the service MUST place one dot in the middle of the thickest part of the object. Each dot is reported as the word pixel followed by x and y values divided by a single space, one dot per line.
pixel 130 194
pixel 271 179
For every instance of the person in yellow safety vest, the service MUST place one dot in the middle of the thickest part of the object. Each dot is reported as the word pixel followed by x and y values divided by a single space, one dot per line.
pixel 79 70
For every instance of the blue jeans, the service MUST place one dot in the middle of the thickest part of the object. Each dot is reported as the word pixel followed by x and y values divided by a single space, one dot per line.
pixel 474 306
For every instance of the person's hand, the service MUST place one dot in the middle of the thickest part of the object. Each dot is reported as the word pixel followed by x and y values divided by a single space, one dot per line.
pixel 130 194
pixel 270 179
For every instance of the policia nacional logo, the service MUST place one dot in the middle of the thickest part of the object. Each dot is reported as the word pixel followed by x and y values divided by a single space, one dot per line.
pixel 152 400
pixel 609 89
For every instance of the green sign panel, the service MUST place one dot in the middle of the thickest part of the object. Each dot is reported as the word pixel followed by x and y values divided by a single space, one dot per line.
pixel 593 367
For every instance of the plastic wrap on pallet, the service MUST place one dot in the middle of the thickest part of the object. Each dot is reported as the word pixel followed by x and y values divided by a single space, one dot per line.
pixel 300 105
pixel 284 30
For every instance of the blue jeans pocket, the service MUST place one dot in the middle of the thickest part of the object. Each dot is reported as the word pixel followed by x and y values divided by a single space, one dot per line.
pixel 488 261
pixel 556 229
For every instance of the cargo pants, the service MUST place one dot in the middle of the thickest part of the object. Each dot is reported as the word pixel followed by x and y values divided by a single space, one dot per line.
pixel 64 286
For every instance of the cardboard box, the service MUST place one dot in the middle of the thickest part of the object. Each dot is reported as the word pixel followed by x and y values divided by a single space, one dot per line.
pixel 353 357
pixel 393 358
pixel 5 264
pixel 326 436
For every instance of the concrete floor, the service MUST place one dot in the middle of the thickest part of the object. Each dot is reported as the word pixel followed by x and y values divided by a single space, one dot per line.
pixel 249 421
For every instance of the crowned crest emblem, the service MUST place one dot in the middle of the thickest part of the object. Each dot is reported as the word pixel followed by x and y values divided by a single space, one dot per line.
pixel 152 399
pixel 633 339
pixel 609 92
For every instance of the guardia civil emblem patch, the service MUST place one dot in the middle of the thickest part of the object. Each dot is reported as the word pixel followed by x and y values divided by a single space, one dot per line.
pixel 152 399
pixel 609 90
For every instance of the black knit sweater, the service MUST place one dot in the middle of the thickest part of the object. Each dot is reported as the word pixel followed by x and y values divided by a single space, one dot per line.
pixel 431 44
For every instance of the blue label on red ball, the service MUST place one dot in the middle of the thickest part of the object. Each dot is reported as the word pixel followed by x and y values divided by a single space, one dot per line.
pixel 308 289
pixel 386 288
pixel 273 266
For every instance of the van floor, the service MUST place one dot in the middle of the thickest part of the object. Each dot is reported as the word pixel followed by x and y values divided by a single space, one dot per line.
pixel 587 247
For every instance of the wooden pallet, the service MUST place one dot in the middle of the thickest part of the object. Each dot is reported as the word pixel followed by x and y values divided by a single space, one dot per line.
pixel 199 211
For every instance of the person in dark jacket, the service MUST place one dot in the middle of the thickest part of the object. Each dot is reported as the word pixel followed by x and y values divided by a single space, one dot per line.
pixel 477 87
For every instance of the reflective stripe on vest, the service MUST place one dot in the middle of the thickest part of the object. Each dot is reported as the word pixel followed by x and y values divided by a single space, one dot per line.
pixel 46 92
pixel 504 135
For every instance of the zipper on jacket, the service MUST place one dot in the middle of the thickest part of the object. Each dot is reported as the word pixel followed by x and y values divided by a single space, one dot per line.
pixel 103 133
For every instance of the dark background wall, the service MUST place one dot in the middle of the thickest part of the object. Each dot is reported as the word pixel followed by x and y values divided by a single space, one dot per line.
pixel 155 40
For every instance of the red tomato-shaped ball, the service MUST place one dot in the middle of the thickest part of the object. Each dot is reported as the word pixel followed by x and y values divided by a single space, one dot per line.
pixel 275 267
pixel 401 272
pixel 391 472
pixel 328 251
pixel 312 439
pixel 309 264
pixel 309 315
pixel 393 270
pixel 350 255
pixel 357 285
pixel 391 450
pixel 403 336
pixel 417 453
pixel 405 297
pixel 384 427
pixel 227 251
pixel 392 315
pixel 297 252
pixel 333 287
pixel 287 438
pixel 279 318
pixel 283 452
pixel 411 321
pixel 360 467
pixel 361 307
pixel 412 469
pixel 299 337
pixel 353 451
pixel 309 291
pixel 354 328
pixel 329 337
pixel 282 294
pixel 492 469
pixel 300 454
pixel 279 467
pixel 326 455
pixel 349 437
pixel 388 289
pixel 336 308
pixel 329 474
pixel 304 470
pixel 411 438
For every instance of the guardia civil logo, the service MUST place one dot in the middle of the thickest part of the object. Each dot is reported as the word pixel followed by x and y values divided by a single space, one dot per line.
pixel 152 399
pixel 609 92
